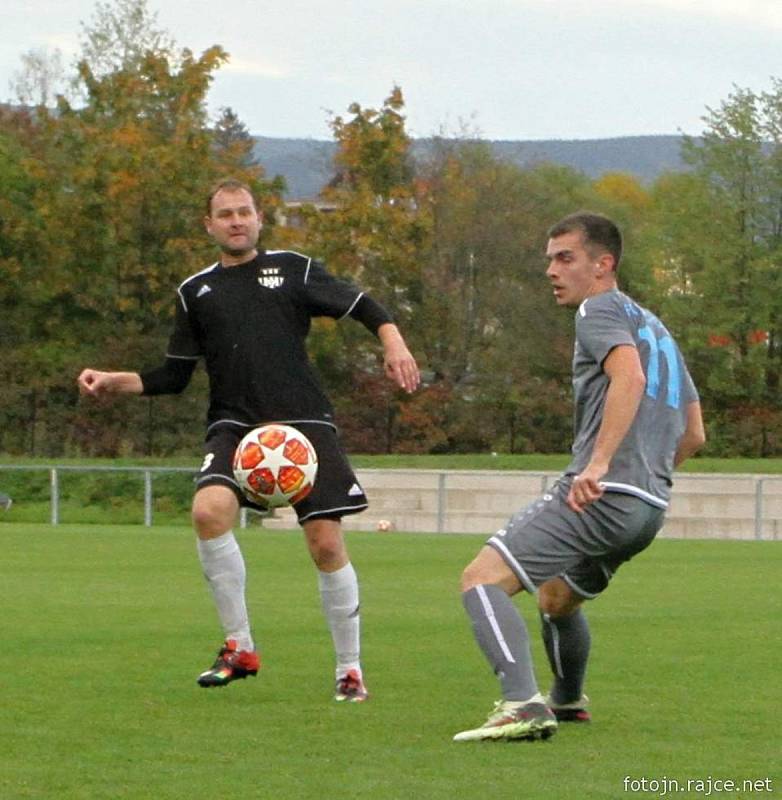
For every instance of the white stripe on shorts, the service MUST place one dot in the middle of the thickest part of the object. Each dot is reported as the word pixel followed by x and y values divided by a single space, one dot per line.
pixel 519 571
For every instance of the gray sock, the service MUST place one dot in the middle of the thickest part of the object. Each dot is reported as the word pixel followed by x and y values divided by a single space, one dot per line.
pixel 502 635
pixel 567 643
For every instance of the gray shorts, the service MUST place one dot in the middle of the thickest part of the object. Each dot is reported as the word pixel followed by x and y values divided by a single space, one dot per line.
pixel 548 539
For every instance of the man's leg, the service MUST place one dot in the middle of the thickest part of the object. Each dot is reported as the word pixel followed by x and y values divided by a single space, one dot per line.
pixel 501 633
pixel 567 639
pixel 214 511
pixel 338 585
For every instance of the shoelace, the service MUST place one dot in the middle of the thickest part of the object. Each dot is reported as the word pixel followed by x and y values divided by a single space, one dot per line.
pixel 500 711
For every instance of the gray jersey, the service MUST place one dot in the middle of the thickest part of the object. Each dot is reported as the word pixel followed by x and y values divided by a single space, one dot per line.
pixel 643 464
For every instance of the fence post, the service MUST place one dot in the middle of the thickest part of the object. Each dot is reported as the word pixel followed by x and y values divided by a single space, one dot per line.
pixel 147 498
pixel 758 508
pixel 54 493
pixel 441 502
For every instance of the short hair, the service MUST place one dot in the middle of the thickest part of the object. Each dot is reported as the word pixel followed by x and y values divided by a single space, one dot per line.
pixel 230 185
pixel 599 232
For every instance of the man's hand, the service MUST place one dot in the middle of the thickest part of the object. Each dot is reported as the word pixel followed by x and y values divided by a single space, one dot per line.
pixel 586 487
pixel 626 384
pixel 398 361
pixel 94 383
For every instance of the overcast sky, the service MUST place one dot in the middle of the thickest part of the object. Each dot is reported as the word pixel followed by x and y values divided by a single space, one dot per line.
pixel 509 69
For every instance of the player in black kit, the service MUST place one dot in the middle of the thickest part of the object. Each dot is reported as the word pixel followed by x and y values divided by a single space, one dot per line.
pixel 248 316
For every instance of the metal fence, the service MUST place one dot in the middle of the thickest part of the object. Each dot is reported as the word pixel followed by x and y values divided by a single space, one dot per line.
pixel 761 495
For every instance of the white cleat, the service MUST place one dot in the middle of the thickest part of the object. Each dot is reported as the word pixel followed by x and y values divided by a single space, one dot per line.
pixel 513 720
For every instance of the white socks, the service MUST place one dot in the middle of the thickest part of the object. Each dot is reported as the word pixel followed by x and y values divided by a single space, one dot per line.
pixel 339 598
pixel 224 570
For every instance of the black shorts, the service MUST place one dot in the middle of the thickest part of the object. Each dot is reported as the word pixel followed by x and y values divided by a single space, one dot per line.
pixel 336 492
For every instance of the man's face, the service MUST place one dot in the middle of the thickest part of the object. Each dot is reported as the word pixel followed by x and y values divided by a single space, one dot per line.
pixel 234 222
pixel 575 274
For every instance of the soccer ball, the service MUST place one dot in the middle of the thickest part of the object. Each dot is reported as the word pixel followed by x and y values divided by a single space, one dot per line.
pixel 275 465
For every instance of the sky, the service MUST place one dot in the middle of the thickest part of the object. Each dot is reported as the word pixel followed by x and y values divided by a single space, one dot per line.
pixel 500 69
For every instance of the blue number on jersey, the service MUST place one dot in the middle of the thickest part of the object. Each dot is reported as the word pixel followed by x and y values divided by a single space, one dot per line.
pixel 660 341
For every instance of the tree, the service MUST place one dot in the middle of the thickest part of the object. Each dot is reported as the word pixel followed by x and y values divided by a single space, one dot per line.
pixel 117 184
pixel 493 338
pixel 373 235
pixel 120 36
pixel 718 255
pixel 232 141
pixel 41 78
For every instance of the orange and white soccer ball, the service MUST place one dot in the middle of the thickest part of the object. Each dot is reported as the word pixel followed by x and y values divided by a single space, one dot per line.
pixel 275 465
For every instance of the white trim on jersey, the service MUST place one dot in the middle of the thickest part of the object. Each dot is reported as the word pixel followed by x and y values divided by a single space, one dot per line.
pixel 307 271
pixel 520 572
pixel 187 280
pixel 321 511
pixel 360 295
pixel 495 626
pixel 292 252
pixel 220 476
pixel 627 488
pixel 270 422
pixel 183 358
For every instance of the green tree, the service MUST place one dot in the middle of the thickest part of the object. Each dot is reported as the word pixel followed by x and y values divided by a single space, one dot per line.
pixel 717 260
pixel 498 346
pixel 118 182
pixel 374 235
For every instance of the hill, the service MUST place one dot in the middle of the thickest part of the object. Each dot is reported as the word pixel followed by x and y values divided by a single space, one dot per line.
pixel 306 164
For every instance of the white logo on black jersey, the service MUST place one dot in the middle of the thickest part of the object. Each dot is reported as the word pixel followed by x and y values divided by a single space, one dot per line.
pixel 271 278
pixel 354 490
pixel 203 290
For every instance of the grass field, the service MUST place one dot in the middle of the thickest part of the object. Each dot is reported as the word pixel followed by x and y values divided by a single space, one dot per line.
pixel 106 627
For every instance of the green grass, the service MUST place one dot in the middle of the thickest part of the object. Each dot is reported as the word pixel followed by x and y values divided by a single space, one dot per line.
pixel 106 627
pixel 534 462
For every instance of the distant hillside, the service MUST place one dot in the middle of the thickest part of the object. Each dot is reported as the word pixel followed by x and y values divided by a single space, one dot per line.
pixel 306 164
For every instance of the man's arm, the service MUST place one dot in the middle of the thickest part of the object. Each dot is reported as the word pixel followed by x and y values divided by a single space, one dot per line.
pixel 94 383
pixel 399 363
pixel 626 384
pixel 694 436
pixel 170 378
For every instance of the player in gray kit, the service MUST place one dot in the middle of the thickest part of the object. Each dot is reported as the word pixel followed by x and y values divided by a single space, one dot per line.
pixel 637 417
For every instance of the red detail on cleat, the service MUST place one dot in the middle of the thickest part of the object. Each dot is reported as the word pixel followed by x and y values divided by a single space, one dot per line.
pixel 231 665
pixel 351 687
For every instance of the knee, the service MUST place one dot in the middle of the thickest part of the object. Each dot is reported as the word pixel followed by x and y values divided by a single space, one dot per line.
pixel 211 517
pixel 472 576
pixel 555 599
pixel 326 545
pixel 326 552
pixel 488 568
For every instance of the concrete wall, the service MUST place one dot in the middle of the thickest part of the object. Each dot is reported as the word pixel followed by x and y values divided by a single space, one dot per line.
pixel 458 501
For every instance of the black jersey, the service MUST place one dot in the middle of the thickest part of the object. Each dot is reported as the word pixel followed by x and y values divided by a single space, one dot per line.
pixel 249 323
